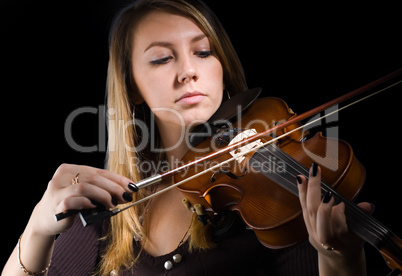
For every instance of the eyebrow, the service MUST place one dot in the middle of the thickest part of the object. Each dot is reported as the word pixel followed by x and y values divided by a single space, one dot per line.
pixel 169 44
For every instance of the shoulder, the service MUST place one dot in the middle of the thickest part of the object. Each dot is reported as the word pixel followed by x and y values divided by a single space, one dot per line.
pixel 76 252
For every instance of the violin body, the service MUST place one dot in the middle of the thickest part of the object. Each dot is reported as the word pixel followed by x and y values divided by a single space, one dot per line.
pixel 272 211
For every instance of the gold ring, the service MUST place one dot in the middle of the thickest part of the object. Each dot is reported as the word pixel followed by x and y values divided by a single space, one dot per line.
pixel 327 247
pixel 75 179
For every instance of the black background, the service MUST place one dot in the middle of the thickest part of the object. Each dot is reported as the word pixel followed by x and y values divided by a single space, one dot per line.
pixel 54 58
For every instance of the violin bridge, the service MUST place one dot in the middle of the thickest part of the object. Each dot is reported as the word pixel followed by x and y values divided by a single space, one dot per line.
pixel 239 154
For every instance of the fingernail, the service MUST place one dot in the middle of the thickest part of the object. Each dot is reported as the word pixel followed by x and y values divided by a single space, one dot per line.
pixel 114 201
pixel 299 180
pixel 372 210
pixel 127 197
pixel 95 203
pixel 327 197
pixel 314 169
pixel 133 187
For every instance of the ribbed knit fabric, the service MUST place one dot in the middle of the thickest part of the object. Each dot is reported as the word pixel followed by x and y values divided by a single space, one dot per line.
pixel 76 253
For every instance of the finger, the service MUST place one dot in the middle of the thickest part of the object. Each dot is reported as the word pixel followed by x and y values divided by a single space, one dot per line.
pixel 314 189
pixel 325 233
pixel 340 227
pixel 92 192
pixel 74 203
pixel 114 189
pixel 368 208
pixel 63 175
pixel 302 188
pixel 117 178
pixel 346 238
pixel 66 172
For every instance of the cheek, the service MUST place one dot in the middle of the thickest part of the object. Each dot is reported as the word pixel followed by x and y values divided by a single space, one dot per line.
pixel 214 78
pixel 216 71
pixel 149 85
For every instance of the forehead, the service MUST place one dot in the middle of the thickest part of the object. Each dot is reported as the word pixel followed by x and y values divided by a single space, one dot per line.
pixel 164 26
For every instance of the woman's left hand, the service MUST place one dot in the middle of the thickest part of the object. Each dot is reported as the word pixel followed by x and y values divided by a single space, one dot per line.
pixel 325 220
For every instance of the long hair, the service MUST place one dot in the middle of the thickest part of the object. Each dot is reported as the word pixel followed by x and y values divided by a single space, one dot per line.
pixel 124 156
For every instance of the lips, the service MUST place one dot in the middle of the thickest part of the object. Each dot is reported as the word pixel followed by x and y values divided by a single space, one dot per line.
pixel 191 97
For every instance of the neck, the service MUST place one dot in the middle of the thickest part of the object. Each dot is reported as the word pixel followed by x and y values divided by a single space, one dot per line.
pixel 174 139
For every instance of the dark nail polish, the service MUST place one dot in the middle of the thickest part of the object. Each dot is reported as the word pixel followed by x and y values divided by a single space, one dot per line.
pixel 327 197
pixel 127 197
pixel 133 187
pixel 114 201
pixel 299 180
pixel 314 169
pixel 95 203
pixel 372 210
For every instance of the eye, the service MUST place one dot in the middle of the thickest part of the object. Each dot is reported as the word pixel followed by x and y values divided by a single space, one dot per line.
pixel 203 54
pixel 160 61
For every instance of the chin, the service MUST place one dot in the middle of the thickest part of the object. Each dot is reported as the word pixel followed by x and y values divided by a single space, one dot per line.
pixel 197 116
pixel 195 121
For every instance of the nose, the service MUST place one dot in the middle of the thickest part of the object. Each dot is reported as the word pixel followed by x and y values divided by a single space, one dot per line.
pixel 187 72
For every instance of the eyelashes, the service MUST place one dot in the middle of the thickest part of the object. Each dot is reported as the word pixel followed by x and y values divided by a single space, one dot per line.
pixel 165 60
pixel 203 54
pixel 160 61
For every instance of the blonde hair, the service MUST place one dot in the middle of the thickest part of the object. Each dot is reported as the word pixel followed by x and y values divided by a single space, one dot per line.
pixel 123 157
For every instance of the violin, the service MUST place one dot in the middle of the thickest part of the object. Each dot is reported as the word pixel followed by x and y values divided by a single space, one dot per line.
pixel 249 166
pixel 260 184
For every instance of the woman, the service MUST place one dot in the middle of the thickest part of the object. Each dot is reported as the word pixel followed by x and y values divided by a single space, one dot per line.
pixel 170 61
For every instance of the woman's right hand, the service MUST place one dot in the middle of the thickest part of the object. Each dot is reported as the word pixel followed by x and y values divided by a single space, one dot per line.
pixel 94 185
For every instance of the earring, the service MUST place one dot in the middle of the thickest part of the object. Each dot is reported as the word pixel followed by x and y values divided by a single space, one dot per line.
pixel 227 93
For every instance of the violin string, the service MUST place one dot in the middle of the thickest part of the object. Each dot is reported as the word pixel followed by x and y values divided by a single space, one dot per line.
pixel 217 166
pixel 285 177
pixel 377 229
pixel 257 147
pixel 355 214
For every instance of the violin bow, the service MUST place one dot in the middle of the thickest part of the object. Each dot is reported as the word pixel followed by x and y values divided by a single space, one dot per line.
pixel 90 216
